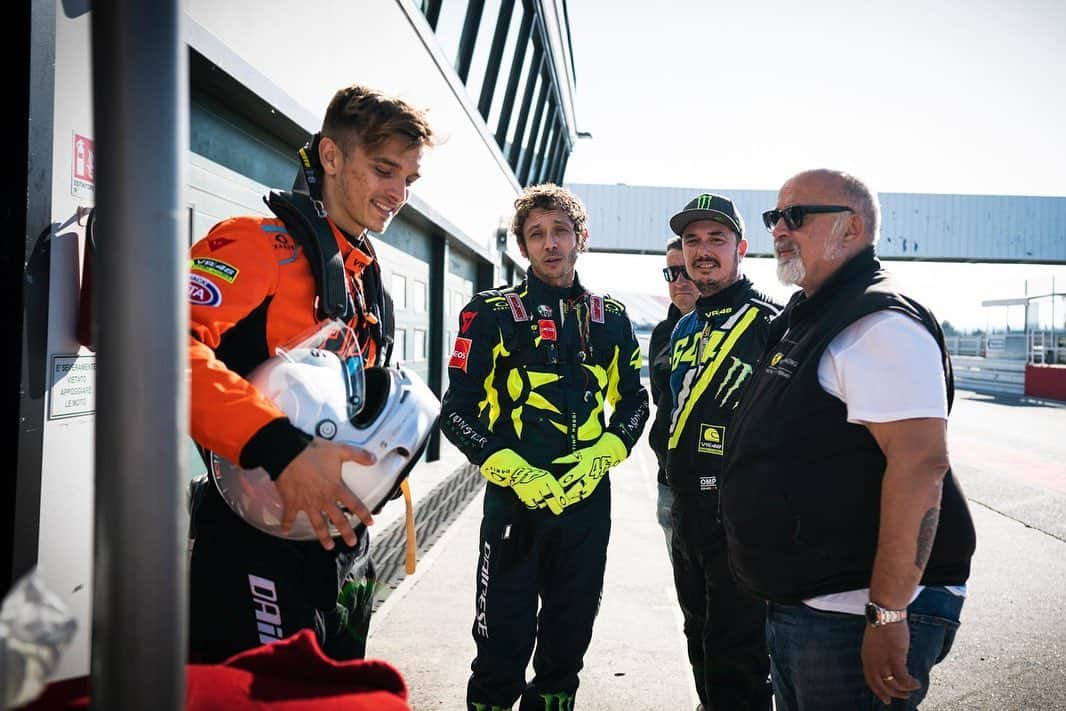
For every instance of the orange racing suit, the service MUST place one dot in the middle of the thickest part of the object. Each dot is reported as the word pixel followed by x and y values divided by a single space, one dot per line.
pixel 251 289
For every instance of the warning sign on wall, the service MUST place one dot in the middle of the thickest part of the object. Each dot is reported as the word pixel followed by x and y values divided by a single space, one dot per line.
pixel 73 386
pixel 83 168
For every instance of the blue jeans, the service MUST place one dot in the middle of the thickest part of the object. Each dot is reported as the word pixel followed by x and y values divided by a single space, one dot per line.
pixel 662 512
pixel 815 656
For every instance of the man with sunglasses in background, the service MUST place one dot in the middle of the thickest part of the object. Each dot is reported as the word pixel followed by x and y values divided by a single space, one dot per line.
pixel 845 515
pixel 683 295
pixel 256 283
pixel 713 351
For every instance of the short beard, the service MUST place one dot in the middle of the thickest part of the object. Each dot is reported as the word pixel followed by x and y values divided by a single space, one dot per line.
pixel 791 271
pixel 711 286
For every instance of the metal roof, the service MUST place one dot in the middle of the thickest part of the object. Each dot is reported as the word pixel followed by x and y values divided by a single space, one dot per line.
pixel 930 227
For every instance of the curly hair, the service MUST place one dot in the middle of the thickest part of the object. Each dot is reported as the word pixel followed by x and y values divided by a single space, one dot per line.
pixel 358 115
pixel 548 196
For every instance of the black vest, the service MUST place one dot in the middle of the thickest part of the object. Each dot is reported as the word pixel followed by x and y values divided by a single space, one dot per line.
pixel 801 486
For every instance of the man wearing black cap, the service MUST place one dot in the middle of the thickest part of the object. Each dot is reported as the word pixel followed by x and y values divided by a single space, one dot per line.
pixel 714 349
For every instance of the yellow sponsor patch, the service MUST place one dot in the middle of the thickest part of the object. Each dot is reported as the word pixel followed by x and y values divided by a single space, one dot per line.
pixel 712 439
pixel 776 359
pixel 214 267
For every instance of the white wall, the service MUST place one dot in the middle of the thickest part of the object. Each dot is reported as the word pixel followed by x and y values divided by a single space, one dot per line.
pixel 377 43
pixel 66 523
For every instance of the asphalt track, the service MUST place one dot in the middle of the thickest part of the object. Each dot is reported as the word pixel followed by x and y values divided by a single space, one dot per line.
pixel 1010 653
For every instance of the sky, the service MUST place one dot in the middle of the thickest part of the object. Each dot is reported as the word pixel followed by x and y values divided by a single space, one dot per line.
pixel 936 96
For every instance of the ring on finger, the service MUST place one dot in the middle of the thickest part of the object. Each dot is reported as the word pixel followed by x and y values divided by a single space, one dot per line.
pixel 890 677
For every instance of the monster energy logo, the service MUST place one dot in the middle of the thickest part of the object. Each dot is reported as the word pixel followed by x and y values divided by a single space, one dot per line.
pixel 565 701
pixel 742 370
pixel 703 202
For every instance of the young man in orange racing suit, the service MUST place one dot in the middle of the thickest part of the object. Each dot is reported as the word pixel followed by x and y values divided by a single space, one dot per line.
pixel 252 288
pixel 532 368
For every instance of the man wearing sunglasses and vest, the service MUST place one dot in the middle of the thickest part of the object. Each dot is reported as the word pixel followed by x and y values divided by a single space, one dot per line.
pixel 713 351
pixel 845 514
pixel 683 296
pixel 534 372
pixel 257 283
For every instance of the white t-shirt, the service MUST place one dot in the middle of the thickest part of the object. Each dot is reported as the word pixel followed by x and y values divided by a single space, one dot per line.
pixel 884 367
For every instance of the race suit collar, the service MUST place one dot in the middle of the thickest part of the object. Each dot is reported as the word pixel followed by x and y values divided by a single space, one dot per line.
pixel 542 292
pixel 726 297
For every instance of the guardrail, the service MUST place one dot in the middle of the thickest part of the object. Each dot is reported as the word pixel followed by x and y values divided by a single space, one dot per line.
pixel 990 375
pixel 966 345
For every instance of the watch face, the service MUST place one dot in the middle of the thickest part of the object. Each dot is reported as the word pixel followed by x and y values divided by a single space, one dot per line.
pixel 871 613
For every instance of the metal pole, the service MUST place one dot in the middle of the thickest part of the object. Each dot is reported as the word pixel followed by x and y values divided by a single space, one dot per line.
pixel 438 367
pixel 140 114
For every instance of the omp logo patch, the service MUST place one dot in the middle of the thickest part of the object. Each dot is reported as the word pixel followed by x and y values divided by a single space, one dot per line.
pixel 708 483
pixel 224 271
pixel 203 292
pixel 460 353
pixel 712 439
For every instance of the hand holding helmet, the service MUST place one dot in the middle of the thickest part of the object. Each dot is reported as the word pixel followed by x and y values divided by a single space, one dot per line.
pixel 370 428
pixel 312 483
pixel 590 466
pixel 536 488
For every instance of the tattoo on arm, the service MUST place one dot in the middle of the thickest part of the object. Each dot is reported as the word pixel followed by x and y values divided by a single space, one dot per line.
pixel 926 534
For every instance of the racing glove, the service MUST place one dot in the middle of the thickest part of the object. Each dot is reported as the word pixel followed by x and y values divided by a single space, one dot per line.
pixel 590 466
pixel 536 488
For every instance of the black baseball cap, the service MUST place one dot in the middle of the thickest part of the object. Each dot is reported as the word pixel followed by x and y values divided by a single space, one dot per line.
pixel 708 207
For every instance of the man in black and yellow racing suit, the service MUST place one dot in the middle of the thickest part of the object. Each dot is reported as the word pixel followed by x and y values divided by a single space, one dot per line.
pixel 713 351
pixel 533 369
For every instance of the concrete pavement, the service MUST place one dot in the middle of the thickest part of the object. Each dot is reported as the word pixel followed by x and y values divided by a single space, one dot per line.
pixel 1010 652
pixel 636 659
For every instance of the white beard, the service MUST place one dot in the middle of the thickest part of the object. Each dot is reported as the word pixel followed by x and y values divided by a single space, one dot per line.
pixel 791 271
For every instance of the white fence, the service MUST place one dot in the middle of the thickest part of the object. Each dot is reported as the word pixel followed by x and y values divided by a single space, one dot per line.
pixel 991 375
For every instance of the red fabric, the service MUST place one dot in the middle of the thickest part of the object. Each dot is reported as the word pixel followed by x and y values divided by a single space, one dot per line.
pixel 290 675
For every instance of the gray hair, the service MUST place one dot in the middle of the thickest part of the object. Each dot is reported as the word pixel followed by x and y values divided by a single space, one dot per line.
pixel 869 206
pixel 857 193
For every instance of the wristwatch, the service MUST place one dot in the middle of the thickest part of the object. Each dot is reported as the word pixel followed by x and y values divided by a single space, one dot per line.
pixel 878 616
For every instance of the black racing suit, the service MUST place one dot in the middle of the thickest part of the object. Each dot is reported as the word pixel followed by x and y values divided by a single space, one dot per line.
pixel 714 349
pixel 659 379
pixel 532 370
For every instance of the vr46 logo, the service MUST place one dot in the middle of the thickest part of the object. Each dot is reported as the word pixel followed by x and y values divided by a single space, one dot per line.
pixel 712 439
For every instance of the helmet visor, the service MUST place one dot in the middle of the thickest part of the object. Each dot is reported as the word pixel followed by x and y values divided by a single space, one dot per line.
pixel 334 336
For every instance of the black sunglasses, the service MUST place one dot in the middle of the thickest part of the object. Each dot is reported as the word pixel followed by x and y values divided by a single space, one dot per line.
pixel 796 214
pixel 671 273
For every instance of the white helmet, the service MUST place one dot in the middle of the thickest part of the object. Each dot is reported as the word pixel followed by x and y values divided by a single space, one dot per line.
pixel 387 411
